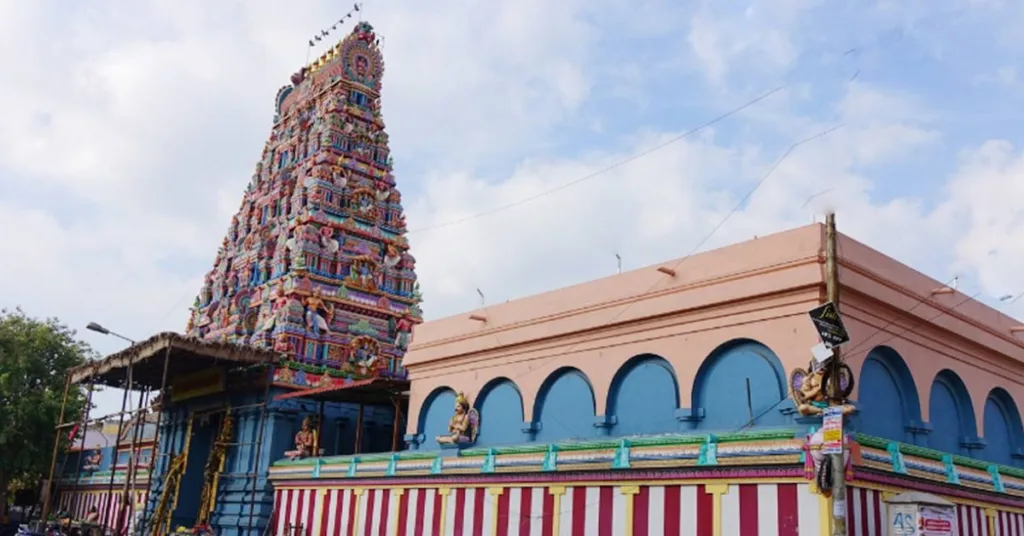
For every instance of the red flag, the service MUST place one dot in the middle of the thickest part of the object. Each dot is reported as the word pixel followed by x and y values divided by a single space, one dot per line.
pixel 74 432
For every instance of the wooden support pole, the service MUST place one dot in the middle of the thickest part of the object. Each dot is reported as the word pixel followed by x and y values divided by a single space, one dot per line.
pixel 117 443
pixel 359 430
pixel 81 446
pixel 156 438
pixel 269 378
pixel 129 472
pixel 395 426
pixel 832 284
pixel 56 448
pixel 319 429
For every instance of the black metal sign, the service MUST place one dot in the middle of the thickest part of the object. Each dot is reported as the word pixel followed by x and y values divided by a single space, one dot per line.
pixel 829 325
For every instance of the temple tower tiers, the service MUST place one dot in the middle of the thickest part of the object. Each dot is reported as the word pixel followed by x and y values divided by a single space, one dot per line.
pixel 316 263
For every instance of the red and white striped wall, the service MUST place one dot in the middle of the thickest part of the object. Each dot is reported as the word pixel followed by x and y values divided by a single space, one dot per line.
pixel 106 502
pixel 788 509
pixel 866 516
pixel 781 509
pixel 1007 524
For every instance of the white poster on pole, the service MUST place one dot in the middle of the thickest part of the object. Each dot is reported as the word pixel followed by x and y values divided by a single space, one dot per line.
pixel 832 431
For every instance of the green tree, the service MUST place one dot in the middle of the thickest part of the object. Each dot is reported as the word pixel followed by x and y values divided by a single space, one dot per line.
pixel 35 357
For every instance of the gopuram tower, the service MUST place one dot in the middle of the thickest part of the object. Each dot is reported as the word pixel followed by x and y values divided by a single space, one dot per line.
pixel 315 263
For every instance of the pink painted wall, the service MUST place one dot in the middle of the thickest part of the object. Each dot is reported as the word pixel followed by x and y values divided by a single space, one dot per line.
pixel 760 289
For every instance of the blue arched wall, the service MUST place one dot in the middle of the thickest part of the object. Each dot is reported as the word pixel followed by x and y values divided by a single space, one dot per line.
pixel 564 408
pixel 887 397
pixel 1002 427
pixel 644 397
pixel 500 405
pixel 438 408
pixel 720 399
pixel 951 414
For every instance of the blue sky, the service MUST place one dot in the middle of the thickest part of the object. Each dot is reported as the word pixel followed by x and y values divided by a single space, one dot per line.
pixel 134 129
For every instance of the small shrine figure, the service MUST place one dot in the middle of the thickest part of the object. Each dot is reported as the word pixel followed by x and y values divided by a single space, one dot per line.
pixel 278 310
pixel 318 313
pixel 392 256
pixel 304 441
pixel 403 332
pixel 93 460
pixel 464 426
pixel 809 390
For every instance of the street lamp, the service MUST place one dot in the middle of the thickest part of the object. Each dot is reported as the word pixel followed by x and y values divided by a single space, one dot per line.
pixel 93 326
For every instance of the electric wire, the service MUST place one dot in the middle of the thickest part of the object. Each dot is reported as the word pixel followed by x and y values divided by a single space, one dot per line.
pixel 604 170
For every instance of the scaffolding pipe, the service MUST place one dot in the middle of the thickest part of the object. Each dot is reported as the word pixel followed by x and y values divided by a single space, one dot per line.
pixel 156 440
pixel 117 442
pixel 130 471
pixel 106 417
pixel 259 440
pixel 81 446
pixel 56 447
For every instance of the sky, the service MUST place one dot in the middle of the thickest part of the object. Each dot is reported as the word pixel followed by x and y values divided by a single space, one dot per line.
pixel 533 140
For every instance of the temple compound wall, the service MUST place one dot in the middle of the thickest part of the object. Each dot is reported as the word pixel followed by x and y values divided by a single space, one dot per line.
pixel 661 401
pixel 712 347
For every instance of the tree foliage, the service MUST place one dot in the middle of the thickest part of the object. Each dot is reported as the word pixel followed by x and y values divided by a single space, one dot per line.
pixel 35 357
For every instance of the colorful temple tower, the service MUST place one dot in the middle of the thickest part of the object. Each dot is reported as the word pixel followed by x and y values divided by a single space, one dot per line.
pixel 316 263
pixel 313 289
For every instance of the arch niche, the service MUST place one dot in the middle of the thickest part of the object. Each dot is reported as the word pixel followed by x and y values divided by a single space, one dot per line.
pixel 720 388
pixel 951 414
pixel 500 405
pixel 437 409
pixel 1002 427
pixel 564 408
pixel 644 397
pixel 887 397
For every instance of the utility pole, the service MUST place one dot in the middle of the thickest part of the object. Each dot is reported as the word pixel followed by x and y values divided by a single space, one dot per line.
pixel 837 460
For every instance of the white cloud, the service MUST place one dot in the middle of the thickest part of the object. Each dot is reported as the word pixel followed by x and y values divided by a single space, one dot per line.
pixel 135 130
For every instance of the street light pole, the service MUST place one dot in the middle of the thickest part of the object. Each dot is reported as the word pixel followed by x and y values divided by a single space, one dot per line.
pixel 93 326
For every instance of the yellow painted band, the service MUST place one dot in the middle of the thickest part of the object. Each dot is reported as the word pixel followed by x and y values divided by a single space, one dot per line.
pixel 399 495
pixel 556 507
pixel 318 506
pixel 824 515
pixel 495 493
pixel 443 492
pixel 355 514
pixel 629 492
pixel 716 490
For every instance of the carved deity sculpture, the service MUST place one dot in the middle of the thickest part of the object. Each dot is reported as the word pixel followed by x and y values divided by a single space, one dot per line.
pixel 93 460
pixel 403 329
pixel 810 389
pixel 464 425
pixel 305 441
pixel 278 310
pixel 392 256
pixel 318 313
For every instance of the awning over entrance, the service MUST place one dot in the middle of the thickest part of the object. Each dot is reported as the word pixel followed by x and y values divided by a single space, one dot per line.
pixel 148 359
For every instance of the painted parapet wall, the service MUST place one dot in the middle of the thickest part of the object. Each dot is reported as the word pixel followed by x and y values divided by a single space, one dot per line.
pixel 676 484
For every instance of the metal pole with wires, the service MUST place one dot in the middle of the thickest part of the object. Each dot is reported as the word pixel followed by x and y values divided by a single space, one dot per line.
pixel 837 461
